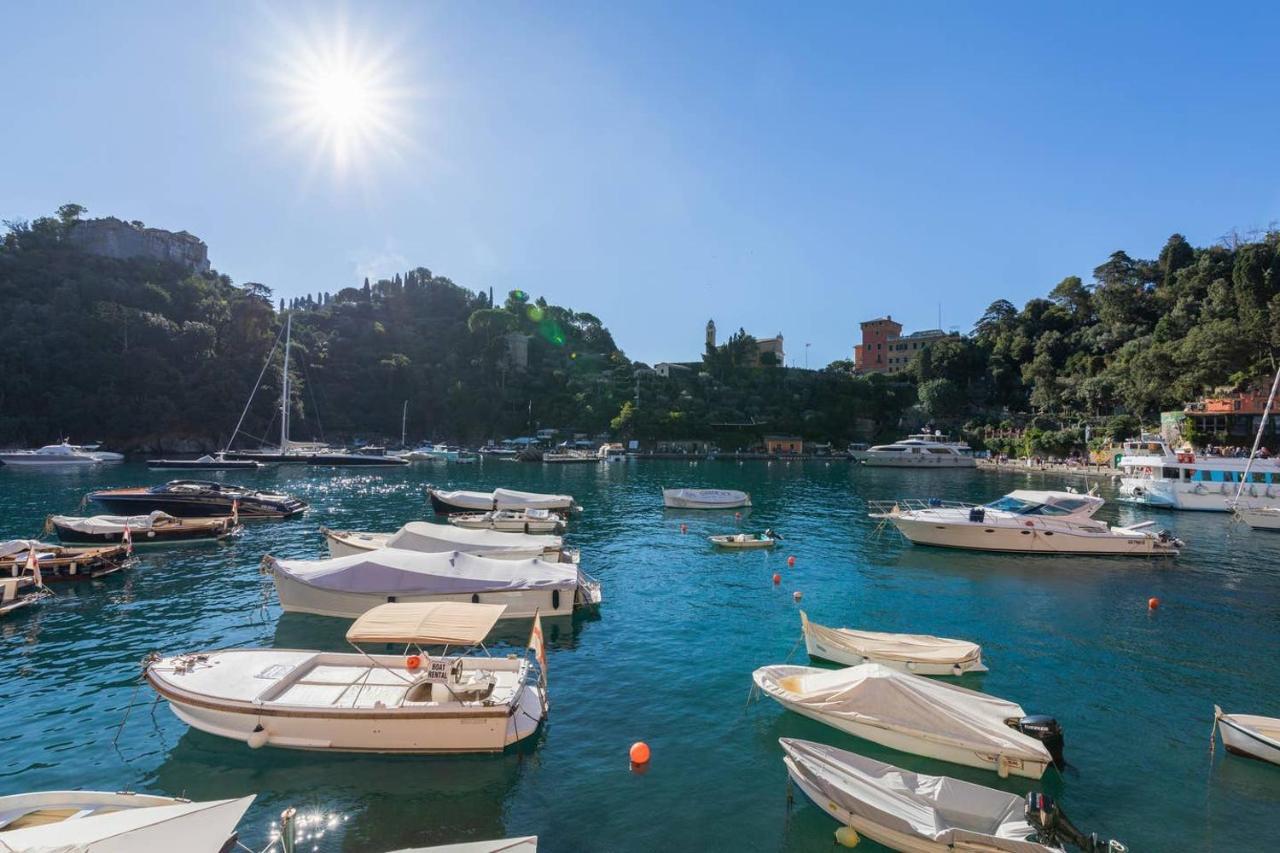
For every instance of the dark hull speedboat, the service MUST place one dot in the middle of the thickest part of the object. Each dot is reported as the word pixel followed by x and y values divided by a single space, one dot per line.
pixel 355 460
pixel 198 499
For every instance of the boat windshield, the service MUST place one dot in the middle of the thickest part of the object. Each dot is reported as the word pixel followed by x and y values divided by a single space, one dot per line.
pixel 1018 506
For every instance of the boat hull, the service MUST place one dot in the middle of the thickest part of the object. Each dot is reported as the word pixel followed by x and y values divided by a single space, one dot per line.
pixel 1246 742
pixel 924 461
pixel 1024 539
pixel 821 651
pixel 1260 519
pixel 1195 497
pixel 194 465
pixel 296 597
pixel 535 526
pixel 708 499
pixel 169 534
pixel 192 506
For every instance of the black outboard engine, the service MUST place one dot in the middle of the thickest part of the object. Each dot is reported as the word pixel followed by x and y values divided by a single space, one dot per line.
pixel 1044 729
pixel 1053 829
pixel 977 514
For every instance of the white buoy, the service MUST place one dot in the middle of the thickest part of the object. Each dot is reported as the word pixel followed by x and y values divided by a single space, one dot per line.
pixel 258 737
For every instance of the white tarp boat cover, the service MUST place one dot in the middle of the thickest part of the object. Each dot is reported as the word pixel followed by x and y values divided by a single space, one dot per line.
pixel 705 496
pixel 899 647
pixel 113 523
pixel 876 695
pixel 183 826
pixel 428 537
pixel 391 570
pixel 947 811
pixel 478 501
pixel 11 547
pixel 511 499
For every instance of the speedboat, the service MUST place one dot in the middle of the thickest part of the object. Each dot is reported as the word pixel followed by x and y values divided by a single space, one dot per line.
pixel 1154 474
pixel 510 521
pixel 60 563
pixel 743 541
pixel 922 450
pixel 346 587
pixel 919 715
pixel 198 499
pixel 1249 735
pixel 917 653
pixel 204 463
pixel 334 459
pixel 433 538
pixel 157 528
pixel 410 703
pixel 124 822
pixel 705 499
pixel 95 450
pixel 449 502
pixel 916 813
pixel 60 455
pixel 1024 520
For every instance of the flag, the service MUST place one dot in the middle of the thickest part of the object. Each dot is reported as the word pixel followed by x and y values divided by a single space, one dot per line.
pixel 33 565
pixel 126 539
pixel 539 646
pixel 235 512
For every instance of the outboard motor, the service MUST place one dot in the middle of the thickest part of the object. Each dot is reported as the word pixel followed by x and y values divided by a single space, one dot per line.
pixel 1044 729
pixel 978 514
pixel 1053 828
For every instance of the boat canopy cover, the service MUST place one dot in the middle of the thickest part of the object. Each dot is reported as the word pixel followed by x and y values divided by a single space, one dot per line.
pixel 18 546
pixel 511 499
pixel 706 495
pixel 444 623
pixel 395 571
pixel 949 812
pixel 191 826
pixel 425 536
pixel 1038 496
pixel 877 695
pixel 479 501
pixel 112 523
pixel 900 647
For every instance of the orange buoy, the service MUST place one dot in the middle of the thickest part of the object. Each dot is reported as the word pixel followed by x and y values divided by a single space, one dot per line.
pixel 639 752
pixel 1153 603
pixel 777 578
pixel 791 561
pixel 412 662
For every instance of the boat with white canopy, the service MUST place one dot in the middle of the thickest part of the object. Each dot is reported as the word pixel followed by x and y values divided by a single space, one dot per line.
pixel 349 586
pixel 917 653
pixel 705 499
pixel 433 538
pixel 448 502
pixel 916 813
pixel 157 528
pixel 531 521
pixel 124 822
pixel 1025 520
pixel 1249 735
pixel 361 702
pixel 919 715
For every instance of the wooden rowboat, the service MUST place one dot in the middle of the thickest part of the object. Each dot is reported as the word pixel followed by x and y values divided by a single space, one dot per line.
pixel 743 541
pixel 60 563
pixel 1249 735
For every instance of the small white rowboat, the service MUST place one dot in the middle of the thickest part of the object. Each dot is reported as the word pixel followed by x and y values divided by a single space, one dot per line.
pixel 918 653
pixel 1249 735
pixel 705 499
pixel 743 541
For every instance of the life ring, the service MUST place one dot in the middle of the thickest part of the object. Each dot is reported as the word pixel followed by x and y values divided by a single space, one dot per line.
pixel 413 662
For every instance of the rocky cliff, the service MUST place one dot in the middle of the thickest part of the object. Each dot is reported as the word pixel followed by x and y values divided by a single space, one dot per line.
pixel 115 238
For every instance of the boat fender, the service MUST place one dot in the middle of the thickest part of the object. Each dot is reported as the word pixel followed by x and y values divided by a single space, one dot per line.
pixel 956 670
pixel 847 836
pixel 1002 767
pixel 413 662
pixel 258 737
pixel 911 665
pixel 555 599
pixel 475 598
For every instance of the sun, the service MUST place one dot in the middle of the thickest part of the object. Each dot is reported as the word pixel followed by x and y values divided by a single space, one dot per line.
pixel 338 95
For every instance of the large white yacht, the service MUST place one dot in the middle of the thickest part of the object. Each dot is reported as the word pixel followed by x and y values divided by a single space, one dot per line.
pixel 922 450
pixel 1157 475
pixel 1024 520
pixel 62 455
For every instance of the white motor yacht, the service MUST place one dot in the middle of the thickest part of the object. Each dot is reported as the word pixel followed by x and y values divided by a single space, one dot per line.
pixel 922 450
pixel 360 702
pixel 1024 520
pixel 1157 475
pixel 62 455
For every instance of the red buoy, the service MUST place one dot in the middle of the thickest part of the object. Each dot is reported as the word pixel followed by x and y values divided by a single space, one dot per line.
pixel 791 561
pixel 639 752
pixel 1153 603
pixel 777 578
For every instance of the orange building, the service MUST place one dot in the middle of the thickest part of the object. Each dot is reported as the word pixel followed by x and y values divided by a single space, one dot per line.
pixel 783 444
pixel 872 355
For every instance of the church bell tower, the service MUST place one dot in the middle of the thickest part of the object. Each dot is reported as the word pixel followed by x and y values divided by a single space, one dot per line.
pixel 711 334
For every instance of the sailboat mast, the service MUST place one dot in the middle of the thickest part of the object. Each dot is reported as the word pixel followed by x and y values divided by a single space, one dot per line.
pixel 284 388
pixel 404 420
pixel 1257 439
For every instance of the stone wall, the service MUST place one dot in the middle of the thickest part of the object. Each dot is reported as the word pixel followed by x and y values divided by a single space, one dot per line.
pixel 114 238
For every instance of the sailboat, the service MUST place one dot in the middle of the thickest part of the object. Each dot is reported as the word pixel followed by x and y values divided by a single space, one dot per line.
pixel 1258 514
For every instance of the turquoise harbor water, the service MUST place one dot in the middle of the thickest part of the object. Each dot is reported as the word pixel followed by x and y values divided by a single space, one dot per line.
pixel 668 659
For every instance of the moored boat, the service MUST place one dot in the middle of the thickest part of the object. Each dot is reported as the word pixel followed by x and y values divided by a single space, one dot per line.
pixel 533 521
pixel 157 528
pixel 59 562
pixel 1259 517
pixel 1025 520
pixel 219 462
pixel 916 813
pixel 1154 474
pixel 922 450
pixel 346 587
pixel 355 460
pixel 434 538
pixel 198 499
pixel 414 703
pixel 23 590
pixel 705 499
pixel 448 502
pixel 61 455
pixel 1249 735
pixel 526 844
pixel 919 715
pixel 917 653
pixel 744 541
pixel 123 822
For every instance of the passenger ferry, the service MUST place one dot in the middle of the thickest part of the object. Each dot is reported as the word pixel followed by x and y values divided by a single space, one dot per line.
pixel 922 450
pixel 1156 475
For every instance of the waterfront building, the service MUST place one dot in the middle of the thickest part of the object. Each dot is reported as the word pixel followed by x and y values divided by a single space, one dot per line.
pixel 884 349
pixel 783 444
pixel 1231 419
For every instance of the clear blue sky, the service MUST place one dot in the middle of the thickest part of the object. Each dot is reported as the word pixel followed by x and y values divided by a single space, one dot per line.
pixel 779 167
